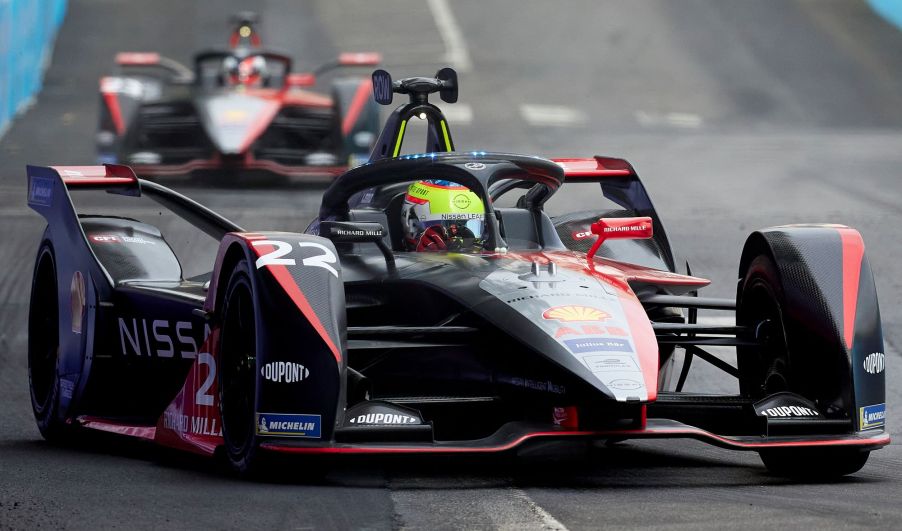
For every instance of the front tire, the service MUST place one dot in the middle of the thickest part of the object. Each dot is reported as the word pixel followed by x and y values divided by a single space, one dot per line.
pixel 238 377
pixel 771 369
pixel 766 370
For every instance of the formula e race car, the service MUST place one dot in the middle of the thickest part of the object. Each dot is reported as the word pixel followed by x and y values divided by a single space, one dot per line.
pixel 242 109
pixel 417 314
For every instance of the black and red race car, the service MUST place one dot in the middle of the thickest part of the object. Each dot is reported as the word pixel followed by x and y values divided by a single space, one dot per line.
pixel 347 340
pixel 241 109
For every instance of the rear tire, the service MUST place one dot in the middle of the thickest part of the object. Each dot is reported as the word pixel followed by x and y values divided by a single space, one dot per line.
pixel 768 370
pixel 43 349
pixel 238 376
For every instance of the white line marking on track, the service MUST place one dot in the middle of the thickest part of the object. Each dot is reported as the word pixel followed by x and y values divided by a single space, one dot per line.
pixel 685 120
pixel 551 115
pixel 548 521
pixel 458 114
pixel 456 51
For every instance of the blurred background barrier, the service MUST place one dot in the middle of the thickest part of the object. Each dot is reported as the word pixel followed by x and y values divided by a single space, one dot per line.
pixel 891 10
pixel 27 31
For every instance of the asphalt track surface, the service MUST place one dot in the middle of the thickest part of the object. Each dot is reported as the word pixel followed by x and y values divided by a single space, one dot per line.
pixel 737 114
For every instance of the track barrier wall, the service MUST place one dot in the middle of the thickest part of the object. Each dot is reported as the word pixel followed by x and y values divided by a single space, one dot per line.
pixel 27 32
pixel 891 10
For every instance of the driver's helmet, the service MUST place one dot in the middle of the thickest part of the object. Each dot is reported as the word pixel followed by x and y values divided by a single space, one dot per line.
pixel 250 71
pixel 442 216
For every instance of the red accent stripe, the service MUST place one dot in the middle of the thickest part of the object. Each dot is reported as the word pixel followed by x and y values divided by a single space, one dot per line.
pixel 360 97
pixel 644 341
pixel 324 173
pixel 304 98
pixel 421 449
pixel 269 111
pixel 112 103
pixel 283 277
pixel 442 186
pixel 852 254
pixel 137 58
pixel 594 168
pixel 417 200
pixel 89 181
pixel 141 432
pixel 96 175
pixel 649 433
pixel 575 175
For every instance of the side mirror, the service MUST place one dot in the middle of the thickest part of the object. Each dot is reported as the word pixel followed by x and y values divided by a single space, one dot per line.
pixel 359 232
pixel 639 228
pixel 359 58
pixel 448 77
pixel 298 80
pixel 383 90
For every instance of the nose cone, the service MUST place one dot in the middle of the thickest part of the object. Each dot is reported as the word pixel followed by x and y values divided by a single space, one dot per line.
pixel 601 330
pixel 234 121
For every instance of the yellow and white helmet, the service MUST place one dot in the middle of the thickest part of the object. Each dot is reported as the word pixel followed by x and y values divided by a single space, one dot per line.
pixel 442 216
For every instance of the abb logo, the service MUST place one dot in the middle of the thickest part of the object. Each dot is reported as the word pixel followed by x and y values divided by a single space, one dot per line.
pixel 590 330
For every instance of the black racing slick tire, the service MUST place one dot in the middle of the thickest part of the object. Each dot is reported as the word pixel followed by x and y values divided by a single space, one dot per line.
pixel 43 348
pixel 762 307
pixel 765 370
pixel 237 376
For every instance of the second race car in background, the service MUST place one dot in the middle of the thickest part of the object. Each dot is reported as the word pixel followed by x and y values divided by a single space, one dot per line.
pixel 238 109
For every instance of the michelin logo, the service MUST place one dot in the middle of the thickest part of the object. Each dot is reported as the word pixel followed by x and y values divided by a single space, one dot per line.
pixel 40 191
pixel 871 416
pixel 286 425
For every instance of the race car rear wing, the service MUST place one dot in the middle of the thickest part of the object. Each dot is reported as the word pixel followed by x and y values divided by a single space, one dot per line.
pixel 595 169
pixel 48 194
pixel 179 71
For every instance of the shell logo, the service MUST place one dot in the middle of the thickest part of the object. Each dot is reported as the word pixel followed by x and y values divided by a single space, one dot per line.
pixel 575 313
